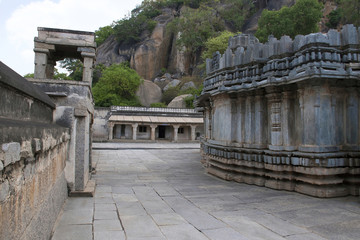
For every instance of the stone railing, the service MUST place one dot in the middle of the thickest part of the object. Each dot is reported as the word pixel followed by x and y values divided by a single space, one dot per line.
pixel 248 64
pixel 146 109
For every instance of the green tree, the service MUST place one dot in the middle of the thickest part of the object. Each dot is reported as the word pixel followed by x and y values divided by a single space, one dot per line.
pixel 235 12
pixel 194 27
pixel 334 18
pixel 117 86
pixel 74 67
pixel 130 29
pixel 351 10
pixel 219 43
pixel 302 18
pixel 103 33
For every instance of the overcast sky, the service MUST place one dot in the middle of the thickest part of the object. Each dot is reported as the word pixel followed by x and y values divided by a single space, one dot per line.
pixel 19 20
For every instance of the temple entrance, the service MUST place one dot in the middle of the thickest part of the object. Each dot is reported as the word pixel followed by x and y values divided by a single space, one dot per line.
pixel 162 131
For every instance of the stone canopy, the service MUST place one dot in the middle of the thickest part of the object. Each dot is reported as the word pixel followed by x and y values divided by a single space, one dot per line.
pixel 52 45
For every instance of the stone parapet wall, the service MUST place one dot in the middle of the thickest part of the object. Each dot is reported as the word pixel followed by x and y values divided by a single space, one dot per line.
pixel 285 114
pixel 33 152
pixel 32 181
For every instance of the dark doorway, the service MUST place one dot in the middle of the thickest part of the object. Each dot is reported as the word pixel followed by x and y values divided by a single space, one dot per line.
pixel 162 131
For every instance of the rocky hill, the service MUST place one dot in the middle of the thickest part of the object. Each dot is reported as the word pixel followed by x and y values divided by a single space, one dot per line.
pixel 158 52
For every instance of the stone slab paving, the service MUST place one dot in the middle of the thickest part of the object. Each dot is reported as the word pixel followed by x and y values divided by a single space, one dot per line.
pixel 160 191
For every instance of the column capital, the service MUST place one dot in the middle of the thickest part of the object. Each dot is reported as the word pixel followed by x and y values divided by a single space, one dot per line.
pixel 135 125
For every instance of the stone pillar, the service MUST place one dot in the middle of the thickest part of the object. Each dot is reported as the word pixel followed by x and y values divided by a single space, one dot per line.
pixel 82 151
pixel 176 128
pixel 88 54
pixel 193 132
pixel 153 128
pixel 111 130
pixel 274 108
pixel 41 59
pixel 44 64
pixel 134 126
pixel 50 68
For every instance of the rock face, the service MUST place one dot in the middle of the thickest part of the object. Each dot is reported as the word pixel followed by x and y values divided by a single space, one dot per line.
pixel 149 93
pixel 179 101
pixel 160 51
pixel 172 84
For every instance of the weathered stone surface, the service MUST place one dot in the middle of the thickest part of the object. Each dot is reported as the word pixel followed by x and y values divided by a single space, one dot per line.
pixel 173 83
pixel 11 152
pixel 188 85
pixel 285 115
pixel 149 93
pixel 179 101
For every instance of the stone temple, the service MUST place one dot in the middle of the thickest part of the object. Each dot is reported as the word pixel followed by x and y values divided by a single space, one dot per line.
pixel 285 114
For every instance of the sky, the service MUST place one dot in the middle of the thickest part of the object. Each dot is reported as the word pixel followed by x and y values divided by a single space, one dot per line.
pixel 19 20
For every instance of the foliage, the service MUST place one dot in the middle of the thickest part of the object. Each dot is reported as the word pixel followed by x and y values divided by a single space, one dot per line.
pixel 158 105
pixel 170 94
pixel 97 73
pixel 195 27
pixel 129 29
pixel 334 18
pixel 74 67
pixel 189 101
pixel 218 43
pixel 193 91
pixel 57 75
pixel 29 75
pixel 351 10
pixel 103 33
pixel 235 12
pixel 60 76
pixel 302 18
pixel 117 86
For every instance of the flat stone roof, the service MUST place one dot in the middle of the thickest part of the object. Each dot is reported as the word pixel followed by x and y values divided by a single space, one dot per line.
pixel 156 119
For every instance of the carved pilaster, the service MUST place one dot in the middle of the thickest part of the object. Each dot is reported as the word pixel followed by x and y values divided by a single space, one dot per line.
pixel 274 107
pixel 249 121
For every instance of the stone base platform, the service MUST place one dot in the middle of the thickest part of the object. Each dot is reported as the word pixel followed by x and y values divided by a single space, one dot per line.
pixel 320 175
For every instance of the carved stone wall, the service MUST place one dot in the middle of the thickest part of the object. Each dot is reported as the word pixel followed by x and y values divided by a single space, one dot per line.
pixel 285 114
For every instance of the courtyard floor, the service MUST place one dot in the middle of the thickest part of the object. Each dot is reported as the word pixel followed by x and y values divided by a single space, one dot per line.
pixel 150 191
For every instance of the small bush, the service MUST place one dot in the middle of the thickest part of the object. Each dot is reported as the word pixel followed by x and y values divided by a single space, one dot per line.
pixel 158 105
pixel 170 94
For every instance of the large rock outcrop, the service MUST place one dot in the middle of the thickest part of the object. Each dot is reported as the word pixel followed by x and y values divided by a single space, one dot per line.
pixel 159 50
pixel 149 93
